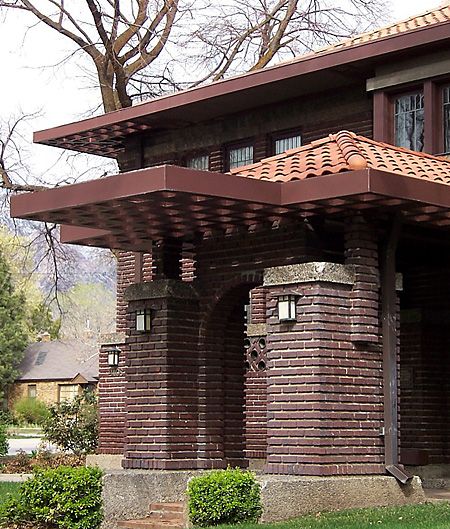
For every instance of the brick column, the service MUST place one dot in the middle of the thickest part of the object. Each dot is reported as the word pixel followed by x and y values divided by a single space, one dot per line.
pixel 324 391
pixel 162 377
pixel 111 396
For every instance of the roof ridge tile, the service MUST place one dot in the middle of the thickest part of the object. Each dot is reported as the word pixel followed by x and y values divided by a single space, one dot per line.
pixel 353 155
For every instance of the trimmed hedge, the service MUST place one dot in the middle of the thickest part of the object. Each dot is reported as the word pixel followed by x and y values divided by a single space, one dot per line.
pixel 224 497
pixel 66 498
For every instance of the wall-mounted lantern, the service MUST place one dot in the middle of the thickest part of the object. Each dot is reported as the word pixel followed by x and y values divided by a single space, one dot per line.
pixel 143 320
pixel 113 357
pixel 286 308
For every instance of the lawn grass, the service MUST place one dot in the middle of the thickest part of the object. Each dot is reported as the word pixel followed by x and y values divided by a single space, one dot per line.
pixel 427 516
pixel 8 488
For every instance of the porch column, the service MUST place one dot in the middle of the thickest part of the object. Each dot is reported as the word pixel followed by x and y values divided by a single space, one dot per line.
pixel 324 379
pixel 162 377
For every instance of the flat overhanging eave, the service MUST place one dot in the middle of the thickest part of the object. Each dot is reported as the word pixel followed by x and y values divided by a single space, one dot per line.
pixel 144 182
pixel 227 96
pixel 129 210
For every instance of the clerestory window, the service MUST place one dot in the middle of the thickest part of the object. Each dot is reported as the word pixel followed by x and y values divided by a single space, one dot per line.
pixel 288 142
pixel 239 156
pixel 199 162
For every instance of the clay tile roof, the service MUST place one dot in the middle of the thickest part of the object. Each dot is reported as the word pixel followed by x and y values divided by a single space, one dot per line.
pixel 431 17
pixel 346 151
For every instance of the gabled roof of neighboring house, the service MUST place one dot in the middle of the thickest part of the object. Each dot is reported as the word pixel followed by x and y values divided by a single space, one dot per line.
pixel 104 135
pixel 345 151
pixel 59 360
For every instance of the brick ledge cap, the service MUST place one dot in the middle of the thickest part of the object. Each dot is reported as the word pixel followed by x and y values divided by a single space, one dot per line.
pixel 161 288
pixel 309 272
pixel 113 338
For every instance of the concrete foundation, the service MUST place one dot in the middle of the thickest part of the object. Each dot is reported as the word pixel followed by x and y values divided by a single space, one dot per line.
pixel 127 494
pixel 106 462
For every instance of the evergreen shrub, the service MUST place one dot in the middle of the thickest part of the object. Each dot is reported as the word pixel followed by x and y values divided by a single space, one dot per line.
pixel 224 497
pixel 64 498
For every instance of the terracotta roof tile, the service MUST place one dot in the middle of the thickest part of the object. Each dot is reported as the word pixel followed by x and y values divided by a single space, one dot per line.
pixel 424 20
pixel 345 151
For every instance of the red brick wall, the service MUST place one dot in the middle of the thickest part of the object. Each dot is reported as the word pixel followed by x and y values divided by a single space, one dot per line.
pixel 424 365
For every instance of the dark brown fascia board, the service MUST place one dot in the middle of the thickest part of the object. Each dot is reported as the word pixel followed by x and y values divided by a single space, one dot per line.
pixel 303 65
pixel 77 234
pixel 142 182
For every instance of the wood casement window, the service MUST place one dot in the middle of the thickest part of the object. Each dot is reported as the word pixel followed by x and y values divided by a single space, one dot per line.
pixel 32 391
pixel 199 162
pixel 409 121
pixel 287 141
pixel 446 118
pixel 239 155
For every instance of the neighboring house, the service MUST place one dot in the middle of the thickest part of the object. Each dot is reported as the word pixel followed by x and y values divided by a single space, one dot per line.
pixel 53 371
pixel 260 319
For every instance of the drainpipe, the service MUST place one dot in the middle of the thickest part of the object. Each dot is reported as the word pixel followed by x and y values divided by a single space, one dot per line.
pixel 390 373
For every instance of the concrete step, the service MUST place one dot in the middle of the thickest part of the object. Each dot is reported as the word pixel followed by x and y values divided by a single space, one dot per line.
pixel 161 516
pixel 168 507
pixel 148 523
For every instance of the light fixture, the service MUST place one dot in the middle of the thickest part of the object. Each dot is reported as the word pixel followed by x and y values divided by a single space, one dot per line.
pixel 143 320
pixel 286 308
pixel 113 357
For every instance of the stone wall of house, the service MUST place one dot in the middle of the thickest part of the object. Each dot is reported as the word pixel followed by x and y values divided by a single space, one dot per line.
pixel 46 392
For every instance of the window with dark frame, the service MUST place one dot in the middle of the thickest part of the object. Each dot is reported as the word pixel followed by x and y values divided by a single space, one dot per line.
pixel 446 117
pixel 286 143
pixel 409 121
pixel 32 391
pixel 240 156
pixel 200 162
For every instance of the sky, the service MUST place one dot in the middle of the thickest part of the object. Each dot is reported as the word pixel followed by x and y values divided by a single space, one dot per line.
pixel 34 80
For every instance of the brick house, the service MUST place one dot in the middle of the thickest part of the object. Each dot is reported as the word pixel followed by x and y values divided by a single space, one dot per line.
pixel 283 282
pixel 53 371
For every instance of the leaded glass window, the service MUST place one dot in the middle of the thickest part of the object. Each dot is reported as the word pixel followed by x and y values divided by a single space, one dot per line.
pixel 409 121
pixel 199 162
pixel 289 142
pixel 240 156
pixel 446 102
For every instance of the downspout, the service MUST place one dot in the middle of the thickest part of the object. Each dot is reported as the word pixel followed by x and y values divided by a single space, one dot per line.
pixel 390 372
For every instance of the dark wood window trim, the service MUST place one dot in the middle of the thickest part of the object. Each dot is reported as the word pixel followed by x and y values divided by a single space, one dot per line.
pixel 237 145
pixel 285 134
pixel 383 113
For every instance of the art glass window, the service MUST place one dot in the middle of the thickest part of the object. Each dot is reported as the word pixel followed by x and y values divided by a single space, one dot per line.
pixel 409 121
pixel 446 103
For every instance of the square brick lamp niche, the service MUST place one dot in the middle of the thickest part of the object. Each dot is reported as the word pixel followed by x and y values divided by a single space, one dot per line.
pixel 288 314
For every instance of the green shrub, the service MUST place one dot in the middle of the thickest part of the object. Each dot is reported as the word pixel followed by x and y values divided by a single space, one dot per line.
pixel 30 411
pixel 73 425
pixel 224 497
pixel 4 445
pixel 66 498
pixel 6 417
